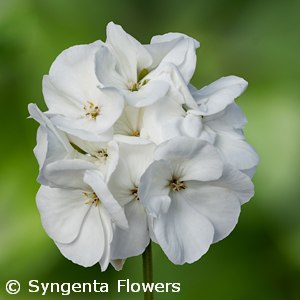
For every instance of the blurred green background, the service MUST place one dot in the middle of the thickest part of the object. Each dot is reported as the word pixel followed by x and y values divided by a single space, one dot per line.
pixel 258 40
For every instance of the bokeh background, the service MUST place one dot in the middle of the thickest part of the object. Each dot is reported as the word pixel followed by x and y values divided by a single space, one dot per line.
pixel 258 40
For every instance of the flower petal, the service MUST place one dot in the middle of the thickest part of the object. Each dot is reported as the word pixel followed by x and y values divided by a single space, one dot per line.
pixel 131 242
pixel 183 54
pixel 128 173
pixel 220 205
pixel 154 188
pixel 62 212
pixel 235 150
pixel 193 158
pixel 110 104
pixel 148 94
pixel 105 68
pixel 68 173
pixel 95 180
pixel 237 181
pixel 131 55
pixel 230 118
pixel 73 71
pixel 58 101
pixel 183 233
pixel 88 248
pixel 214 97
pixel 108 235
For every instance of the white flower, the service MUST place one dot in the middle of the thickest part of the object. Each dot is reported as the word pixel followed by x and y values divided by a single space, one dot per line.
pixel 124 185
pixel 130 151
pixel 54 145
pixel 80 217
pixel 76 104
pixel 193 198
pixel 212 116
pixel 135 69
pixel 130 127
pixel 104 155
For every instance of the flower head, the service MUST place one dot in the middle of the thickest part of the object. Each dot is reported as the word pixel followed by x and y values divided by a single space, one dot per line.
pixel 192 197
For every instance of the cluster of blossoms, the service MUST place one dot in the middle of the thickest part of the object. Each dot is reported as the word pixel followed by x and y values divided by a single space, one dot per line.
pixel 129 151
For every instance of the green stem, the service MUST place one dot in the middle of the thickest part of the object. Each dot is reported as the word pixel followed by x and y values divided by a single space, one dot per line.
pixel 147 270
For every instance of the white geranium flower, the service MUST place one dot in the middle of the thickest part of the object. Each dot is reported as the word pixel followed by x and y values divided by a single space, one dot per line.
pixel 54 145
pixel 135 69
pixel 104 155
pixel 212 116
pixel 76 104
pixel 124 185
pixel 80 217
pixel 130 127
pixel 193 199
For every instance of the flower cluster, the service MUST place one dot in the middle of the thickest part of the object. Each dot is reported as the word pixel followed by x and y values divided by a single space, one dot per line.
pixel 129 151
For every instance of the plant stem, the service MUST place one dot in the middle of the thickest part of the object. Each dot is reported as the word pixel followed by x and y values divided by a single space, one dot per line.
pixel 147 270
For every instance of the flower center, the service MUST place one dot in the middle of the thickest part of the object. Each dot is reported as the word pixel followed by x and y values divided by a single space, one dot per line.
pixel 134 193
pixel 101 154
pixel 135 86
pixel 135 133
pixel 91 110
pixel 176 185
pixel 91 198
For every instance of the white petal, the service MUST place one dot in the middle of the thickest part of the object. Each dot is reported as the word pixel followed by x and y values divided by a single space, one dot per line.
pixel 52 144
pixel 235 150
pixel 58 102
pixel 128 173
pixel 193 159
pixel 106 165
pixel 82 128
pixel 154 187
pixel 131 242
pixel 183 233
pixel 249 172
pixel 131 140
pixel 237 181
pixel 62 212
pixel 230 118
pixel 131 55
pixel 160 49
pixel 147 94
pixel 179 91
pixel 68 173
pixel 129 122
pixel 120 183
pixel 40 150
pixel 88 248
pixel 73 71
pixel 95 180
pixel 220 205
pixel 59 137
pixel 108 235
pixel 137 159
pixel 219 94
pixel 110 103
pixel 106 69
pixel 166 119
pixel 192 126
pixel 183 55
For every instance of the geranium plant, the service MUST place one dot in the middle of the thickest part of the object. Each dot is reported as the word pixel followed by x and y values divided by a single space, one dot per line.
pixel 130 152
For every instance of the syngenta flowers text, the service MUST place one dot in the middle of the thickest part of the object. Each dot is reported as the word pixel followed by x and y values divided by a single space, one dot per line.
pixel 123 285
